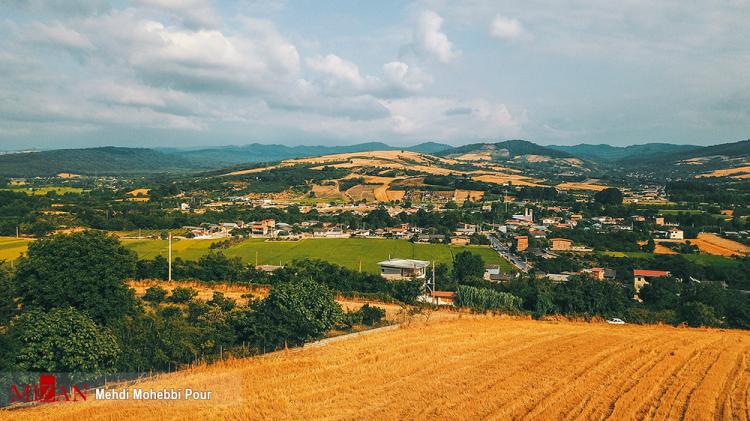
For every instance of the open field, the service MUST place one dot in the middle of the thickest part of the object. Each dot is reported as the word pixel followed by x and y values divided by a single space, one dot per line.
pixel 580 186
pixel 737 172
pixel 715 245
pixel 700 259
pixel 41 191
pixel 467 368
pixel 720 246
pixel 12 247
pixel 343 251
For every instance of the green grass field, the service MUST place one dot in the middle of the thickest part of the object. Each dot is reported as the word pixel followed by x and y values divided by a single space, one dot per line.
pixel 700 259
pixel 11 247
pixel 346 252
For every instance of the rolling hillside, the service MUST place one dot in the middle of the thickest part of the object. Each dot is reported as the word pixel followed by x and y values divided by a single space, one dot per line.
pixel 697 161
pixel 258 152
pixel 464 368
pixel 604 152
pixel 102 161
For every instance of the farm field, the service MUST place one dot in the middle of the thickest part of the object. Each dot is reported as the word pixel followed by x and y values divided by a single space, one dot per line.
pixel 12 247
pixel 701 259
pixel 465 368
pixel 343 251
pixel 41 191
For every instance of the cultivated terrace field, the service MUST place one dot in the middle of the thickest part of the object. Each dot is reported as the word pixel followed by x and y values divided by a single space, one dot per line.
pixel 470 367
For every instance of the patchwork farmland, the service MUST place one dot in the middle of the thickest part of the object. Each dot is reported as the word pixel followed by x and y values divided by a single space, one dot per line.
pixel 469 367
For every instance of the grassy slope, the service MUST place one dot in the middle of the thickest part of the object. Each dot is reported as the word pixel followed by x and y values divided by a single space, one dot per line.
pixel 11 248
pixel 343 251
pixel 467 368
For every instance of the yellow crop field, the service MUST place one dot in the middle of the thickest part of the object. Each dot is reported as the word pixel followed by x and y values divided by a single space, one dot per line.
pixel 465 368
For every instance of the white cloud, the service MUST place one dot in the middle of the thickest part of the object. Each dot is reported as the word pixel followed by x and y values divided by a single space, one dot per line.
pixel 506 28
pixel 342 73
pixel 404 77
pixel 258 59
pixel 55 34
pixel 452 119
pixel 430 39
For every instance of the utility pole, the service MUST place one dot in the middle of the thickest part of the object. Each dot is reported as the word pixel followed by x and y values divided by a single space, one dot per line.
pixel 16 232
pixel 170 257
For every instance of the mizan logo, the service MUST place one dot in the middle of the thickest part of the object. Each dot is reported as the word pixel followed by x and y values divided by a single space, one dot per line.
pixel 47 390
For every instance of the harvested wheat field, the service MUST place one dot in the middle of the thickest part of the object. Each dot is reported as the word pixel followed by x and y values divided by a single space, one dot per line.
pixel 714 244
pixel 467 368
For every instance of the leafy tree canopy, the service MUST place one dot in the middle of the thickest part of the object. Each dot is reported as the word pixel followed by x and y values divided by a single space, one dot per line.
pixel 84 270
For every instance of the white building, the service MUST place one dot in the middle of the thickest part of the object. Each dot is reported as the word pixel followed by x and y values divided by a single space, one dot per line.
pixel 403 269
pixel 676 234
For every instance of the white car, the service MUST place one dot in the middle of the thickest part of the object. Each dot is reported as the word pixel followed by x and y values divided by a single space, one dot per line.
pixel 616 321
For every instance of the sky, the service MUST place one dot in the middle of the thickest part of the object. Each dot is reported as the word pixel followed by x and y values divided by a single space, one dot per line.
pixel 81 73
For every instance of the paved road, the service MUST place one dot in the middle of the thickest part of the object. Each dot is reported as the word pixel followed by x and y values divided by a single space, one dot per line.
pixel 506 254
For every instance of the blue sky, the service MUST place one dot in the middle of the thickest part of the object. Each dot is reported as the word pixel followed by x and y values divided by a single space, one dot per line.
pixel 201 72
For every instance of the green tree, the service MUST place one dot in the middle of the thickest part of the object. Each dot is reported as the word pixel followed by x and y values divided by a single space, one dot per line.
pixel 61 340
pixel 467 265
pixel 7 295
pixel 609 196
pixel 155 294
pixel 294 313
pixel 181 295
pixel 698 314
pixel 407 291
pixel 84 270
pixel 661 293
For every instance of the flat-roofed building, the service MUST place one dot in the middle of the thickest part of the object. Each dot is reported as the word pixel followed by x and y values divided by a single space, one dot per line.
pixel 403 269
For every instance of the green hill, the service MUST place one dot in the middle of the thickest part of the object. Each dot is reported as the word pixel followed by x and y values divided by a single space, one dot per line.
pixel 92 161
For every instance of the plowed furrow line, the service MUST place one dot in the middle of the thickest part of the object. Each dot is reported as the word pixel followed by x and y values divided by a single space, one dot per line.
pixel 639 388
pixel 397 375
pixel 598 394
pixel 668 386
pixel 532 382
pixel 704 390
pixel 689 382
pixel 724 403
pixel 476 375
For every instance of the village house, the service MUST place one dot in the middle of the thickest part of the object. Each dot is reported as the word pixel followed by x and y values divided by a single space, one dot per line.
pixel 676 234
pixel 395 269
pixel 522 242
pixel 561 244
pixel 264 227
pixel 599 274
pixel 466 229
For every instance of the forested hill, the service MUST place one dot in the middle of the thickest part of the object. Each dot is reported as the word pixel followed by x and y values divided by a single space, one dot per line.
pixel 605 152
pixel 92 161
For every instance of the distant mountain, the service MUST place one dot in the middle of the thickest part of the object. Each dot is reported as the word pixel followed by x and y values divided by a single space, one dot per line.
pixel 610 153
pixel 429 147
pixel 726 152
pixel 102 161
pixel 258 152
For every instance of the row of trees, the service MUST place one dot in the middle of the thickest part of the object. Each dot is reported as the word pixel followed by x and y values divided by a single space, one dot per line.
pixel 67 308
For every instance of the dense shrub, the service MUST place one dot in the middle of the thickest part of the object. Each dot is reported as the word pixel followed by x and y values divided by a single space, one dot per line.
pixel 483 300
